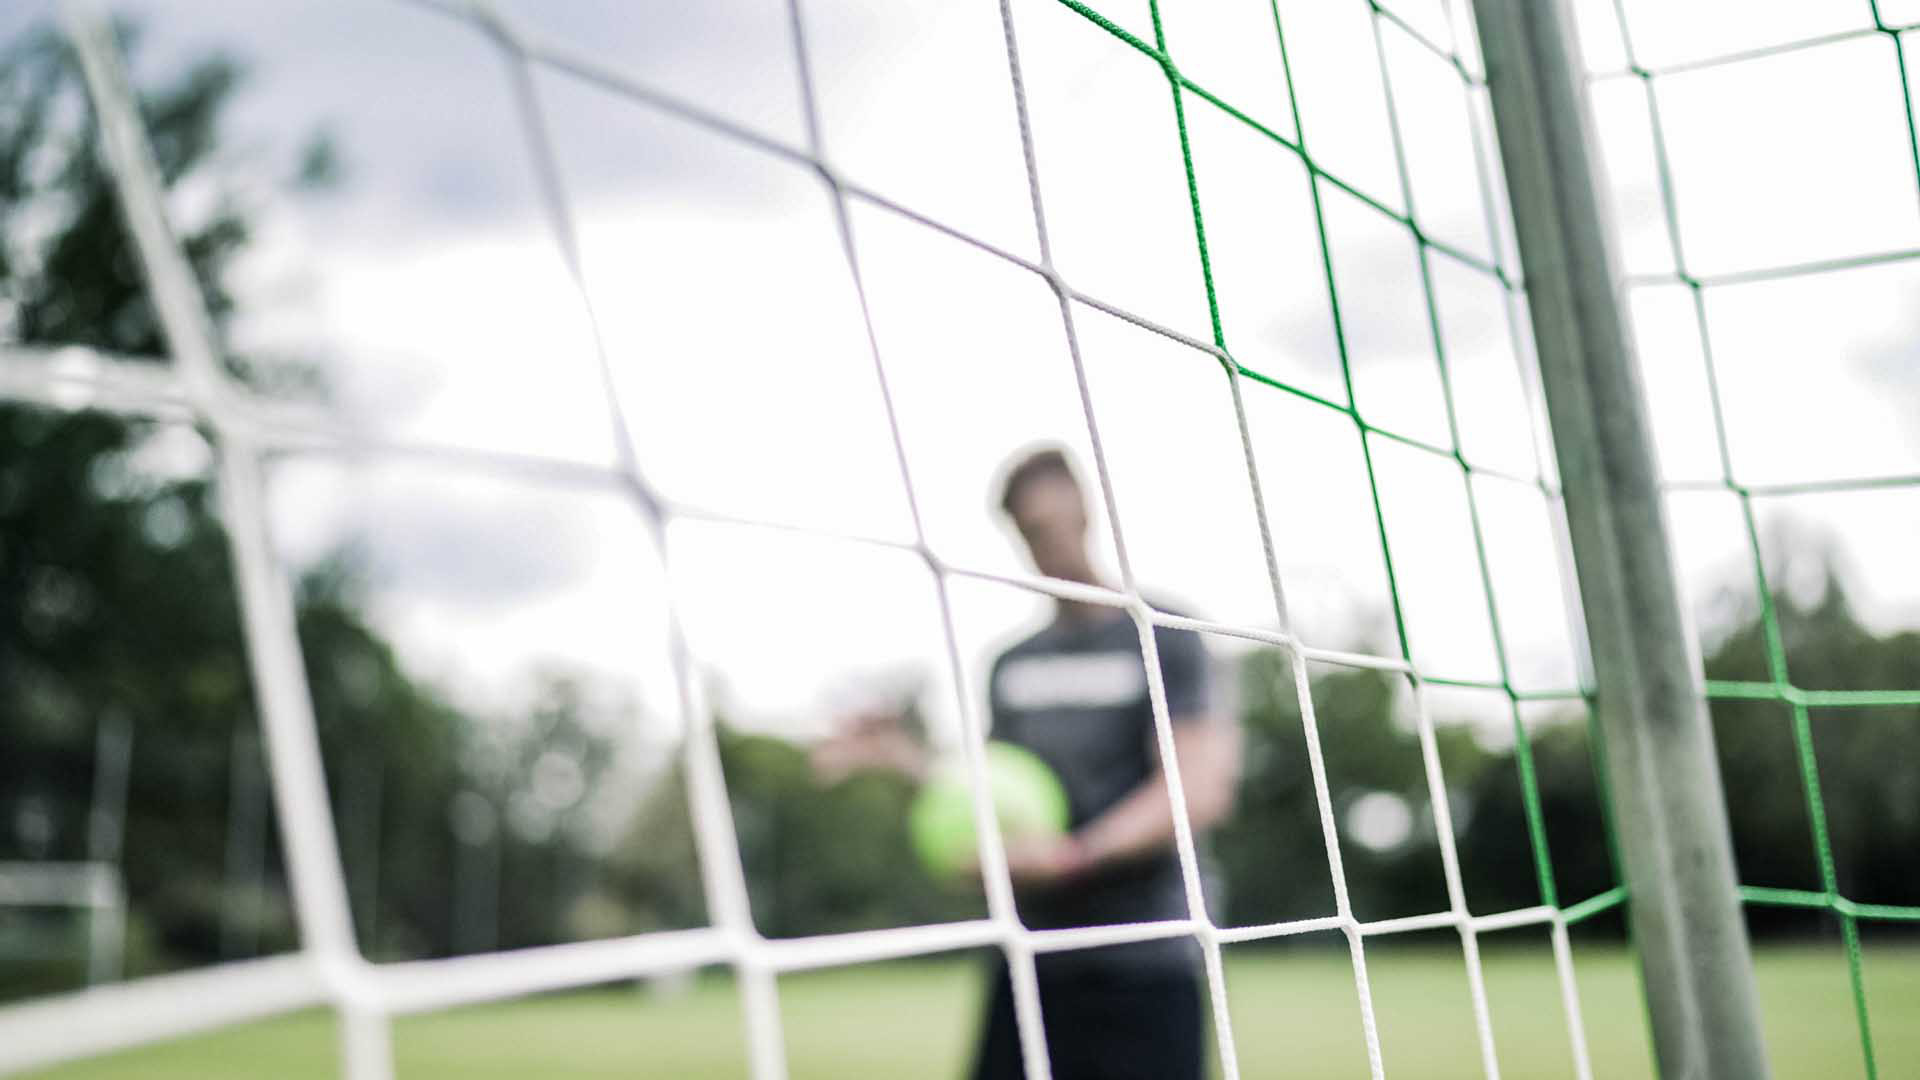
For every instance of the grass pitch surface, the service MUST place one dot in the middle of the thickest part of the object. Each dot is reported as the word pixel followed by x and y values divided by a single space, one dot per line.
pixel 1295 1014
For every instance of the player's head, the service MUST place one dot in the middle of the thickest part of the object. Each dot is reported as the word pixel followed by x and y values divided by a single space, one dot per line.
pixel 1043 498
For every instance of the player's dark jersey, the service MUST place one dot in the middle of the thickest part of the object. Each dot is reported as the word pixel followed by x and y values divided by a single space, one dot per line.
pixel 1076 695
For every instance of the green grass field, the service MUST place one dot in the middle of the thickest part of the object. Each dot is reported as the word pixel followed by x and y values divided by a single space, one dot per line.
pixel 1294 1015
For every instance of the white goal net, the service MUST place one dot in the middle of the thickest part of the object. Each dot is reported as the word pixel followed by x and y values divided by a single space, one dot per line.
pixel 1218 132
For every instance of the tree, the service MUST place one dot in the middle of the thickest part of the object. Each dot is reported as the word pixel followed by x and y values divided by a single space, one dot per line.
pixel 1865 765
pixel 1272 853
pixel 115 593
pixel 1866 758
pixel 117 596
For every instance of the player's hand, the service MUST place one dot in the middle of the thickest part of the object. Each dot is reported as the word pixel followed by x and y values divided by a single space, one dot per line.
pixel 875 739
pixel 1038 862
pixel 1048 860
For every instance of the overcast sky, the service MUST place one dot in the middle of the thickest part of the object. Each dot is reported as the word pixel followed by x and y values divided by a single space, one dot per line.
pixel 429 287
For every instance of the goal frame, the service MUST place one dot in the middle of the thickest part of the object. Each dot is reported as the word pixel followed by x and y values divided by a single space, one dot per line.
pixel 1669 809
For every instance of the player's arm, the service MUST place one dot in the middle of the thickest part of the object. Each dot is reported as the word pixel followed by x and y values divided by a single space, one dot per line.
pixel 1207 748
pixel 876 739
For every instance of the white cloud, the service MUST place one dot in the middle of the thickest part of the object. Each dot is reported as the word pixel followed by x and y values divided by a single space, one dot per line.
pixel 431 285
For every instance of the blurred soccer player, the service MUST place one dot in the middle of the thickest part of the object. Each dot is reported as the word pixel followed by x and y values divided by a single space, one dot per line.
pixel 1075 693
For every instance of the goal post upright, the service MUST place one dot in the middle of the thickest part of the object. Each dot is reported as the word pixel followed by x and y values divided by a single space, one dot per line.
pixel 1670 816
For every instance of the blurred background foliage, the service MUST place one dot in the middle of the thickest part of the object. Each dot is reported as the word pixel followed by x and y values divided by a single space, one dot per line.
pixel 117 601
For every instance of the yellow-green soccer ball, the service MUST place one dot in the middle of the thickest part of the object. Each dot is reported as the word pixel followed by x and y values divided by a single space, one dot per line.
pixel 1027 797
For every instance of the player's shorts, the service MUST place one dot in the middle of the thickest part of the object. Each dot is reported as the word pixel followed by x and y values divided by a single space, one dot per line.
pixel 1102 1025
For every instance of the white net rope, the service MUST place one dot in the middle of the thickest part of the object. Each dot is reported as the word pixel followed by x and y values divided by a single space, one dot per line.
pixel 329 968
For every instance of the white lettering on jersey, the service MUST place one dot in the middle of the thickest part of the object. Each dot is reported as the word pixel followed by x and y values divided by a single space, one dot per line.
pixel 1073 681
